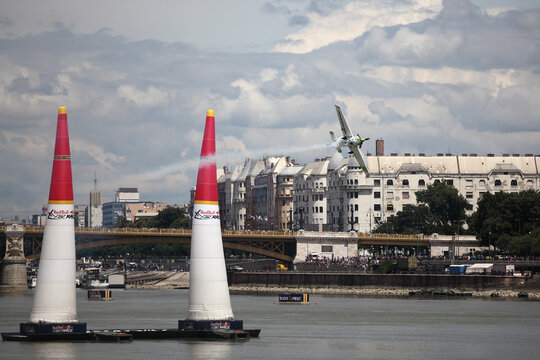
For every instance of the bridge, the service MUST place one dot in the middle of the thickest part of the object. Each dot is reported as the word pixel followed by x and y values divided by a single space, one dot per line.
pixel 273 244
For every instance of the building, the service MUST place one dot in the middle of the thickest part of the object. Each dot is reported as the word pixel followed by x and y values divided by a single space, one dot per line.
pixel 79 212
pixel 135 211
pixel 112 211
pixel 284 208
pixel 116 209
pixel 126 195
pixel 95 210
pixel 333 194
pixel 40 219
pixel 310 196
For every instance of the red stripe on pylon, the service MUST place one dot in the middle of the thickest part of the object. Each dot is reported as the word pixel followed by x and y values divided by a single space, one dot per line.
pixel 207 179
pixel 61 182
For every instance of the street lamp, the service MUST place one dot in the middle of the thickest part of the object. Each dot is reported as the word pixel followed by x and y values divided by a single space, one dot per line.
pixel 489 243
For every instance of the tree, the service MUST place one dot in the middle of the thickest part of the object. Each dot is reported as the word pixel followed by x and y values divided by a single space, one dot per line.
pixel 446 207
pixel 441 210
pixel 508 220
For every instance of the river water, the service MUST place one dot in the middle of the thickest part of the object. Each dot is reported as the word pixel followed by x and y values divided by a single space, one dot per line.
pixel 330 327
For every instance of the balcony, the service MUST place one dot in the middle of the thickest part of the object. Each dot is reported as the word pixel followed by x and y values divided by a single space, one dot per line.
pixel 357 187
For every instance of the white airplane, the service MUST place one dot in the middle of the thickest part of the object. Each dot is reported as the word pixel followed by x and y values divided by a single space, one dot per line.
pixel 353 142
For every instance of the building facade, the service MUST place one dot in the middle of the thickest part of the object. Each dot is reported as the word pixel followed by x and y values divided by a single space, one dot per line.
pixel 333 194
pixel 95 210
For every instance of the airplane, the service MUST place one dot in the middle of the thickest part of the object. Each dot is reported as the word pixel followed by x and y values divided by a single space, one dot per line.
pixel 353 142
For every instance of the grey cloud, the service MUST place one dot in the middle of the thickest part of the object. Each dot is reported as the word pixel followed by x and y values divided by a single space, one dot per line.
pixel 5 22
pixel 459 36
pixel 92 67
pixel 298 20
pixel 385 113
pixel 22 85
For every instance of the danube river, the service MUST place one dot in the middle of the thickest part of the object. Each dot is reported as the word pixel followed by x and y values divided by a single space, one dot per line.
pixel 330 327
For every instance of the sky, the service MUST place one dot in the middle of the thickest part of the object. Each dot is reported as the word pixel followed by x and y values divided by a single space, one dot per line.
pixel 427 76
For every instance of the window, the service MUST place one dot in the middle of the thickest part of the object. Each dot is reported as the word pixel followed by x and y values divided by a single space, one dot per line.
pixel 390 195
pixel 390 207
pixel 389 182
pixel 482 183
pixel 405 182
pixel 377 194
pixel 469 195
pixel 513 183
pixel 405 195
pixel 355 181
pixel 529 183
pixel 421 183
pixel 377 207
pixel 480 195
pixel 320 209
pixel 450 182
pixel 498 183
pixel 355 207
pixel 377 182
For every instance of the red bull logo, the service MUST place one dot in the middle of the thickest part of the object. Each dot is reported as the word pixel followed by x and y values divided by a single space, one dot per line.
pixel 206 214
pixel 55 214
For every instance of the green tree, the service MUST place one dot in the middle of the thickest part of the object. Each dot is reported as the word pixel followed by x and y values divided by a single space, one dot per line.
pixel 508 220
pixel 446 207
pixel 441 210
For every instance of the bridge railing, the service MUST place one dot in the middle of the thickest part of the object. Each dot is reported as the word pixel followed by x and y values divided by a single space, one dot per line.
pixel 366 236
pixel 250 233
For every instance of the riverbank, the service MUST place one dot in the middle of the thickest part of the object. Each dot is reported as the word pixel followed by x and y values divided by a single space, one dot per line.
pixel 163 280
pixel 157 280
pixel 386 292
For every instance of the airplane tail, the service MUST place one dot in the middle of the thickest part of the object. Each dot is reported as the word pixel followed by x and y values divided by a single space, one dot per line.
pixel 332 136
pixel 334 142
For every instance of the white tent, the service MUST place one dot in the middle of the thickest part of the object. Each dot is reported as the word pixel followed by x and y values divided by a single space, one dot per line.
pixel 479 269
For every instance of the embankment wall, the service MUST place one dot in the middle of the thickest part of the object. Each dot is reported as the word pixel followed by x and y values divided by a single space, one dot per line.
pixel 291 279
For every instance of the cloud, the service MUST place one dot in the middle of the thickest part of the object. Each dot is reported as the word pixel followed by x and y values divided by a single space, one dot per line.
pixel 425 76
pixel 353 20
pixel 460 36
pixel 102 157
pixel 149 98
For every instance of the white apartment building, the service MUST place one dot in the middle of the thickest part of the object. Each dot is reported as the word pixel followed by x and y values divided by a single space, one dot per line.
pixel 333 194
pixel 395 179
pixel 310 196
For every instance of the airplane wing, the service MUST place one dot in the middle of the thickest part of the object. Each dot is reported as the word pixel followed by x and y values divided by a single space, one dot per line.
pixel 344 127
pixel 362 160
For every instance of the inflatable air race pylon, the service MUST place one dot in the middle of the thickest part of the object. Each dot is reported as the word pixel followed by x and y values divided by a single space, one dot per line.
pixel 54 310
pixel 209 300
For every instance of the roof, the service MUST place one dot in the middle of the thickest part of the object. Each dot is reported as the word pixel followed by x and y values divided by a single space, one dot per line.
pixel 452 164
pixel 290 170
pixel 316 168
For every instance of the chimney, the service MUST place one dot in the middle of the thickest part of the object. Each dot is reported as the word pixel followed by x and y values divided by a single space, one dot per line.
pixel 379 147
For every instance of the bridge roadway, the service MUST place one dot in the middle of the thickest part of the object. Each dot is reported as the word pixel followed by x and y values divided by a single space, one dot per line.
pixel 274 244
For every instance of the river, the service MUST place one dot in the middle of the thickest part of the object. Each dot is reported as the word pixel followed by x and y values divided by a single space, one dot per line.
pixel 330 327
